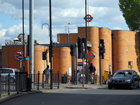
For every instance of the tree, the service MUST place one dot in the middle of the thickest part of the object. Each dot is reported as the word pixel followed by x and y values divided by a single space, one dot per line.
pixel 131 13
pixel 0 46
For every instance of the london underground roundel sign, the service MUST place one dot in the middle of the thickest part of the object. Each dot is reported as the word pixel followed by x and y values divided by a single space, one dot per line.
pixel 88 18
pixel 90 56
pixel 18 55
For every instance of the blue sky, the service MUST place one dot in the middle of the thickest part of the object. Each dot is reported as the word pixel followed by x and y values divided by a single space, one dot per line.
pixel 106 13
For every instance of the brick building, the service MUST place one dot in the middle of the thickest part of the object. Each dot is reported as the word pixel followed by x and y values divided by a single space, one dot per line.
pixel 126 48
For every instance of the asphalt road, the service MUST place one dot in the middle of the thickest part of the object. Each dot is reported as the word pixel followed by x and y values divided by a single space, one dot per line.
pixel 101 96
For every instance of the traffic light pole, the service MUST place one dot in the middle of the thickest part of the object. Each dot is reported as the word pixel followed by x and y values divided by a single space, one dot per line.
pixel 46 57
pixel 86 41
pixel 51 46
pixel 76 64
pixel 83 71
pixel 72 69
pixel 101 70
pixel 101 54
pixel 83 68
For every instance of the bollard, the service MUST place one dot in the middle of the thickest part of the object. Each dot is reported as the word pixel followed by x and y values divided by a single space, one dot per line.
pixel 9 84
pixel 58 79
pixel 38 80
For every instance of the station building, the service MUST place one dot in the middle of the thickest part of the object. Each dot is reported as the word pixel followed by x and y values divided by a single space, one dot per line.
pixel 125 49
pixel 122 49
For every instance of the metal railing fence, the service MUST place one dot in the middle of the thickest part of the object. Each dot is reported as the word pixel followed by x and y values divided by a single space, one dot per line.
pixel 40 81
pixel 7 85
pixel 23 82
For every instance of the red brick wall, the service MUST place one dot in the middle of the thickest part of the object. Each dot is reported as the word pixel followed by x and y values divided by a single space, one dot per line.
pixel 61 61
pixel 106 35
pixel 93 35
pixel 125 41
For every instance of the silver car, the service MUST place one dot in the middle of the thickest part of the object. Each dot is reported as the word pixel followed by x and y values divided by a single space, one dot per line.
pixel 4 74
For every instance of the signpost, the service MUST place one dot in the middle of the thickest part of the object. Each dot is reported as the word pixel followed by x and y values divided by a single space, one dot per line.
pixel 20 58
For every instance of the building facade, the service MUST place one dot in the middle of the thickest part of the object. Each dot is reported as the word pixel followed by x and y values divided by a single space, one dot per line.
pixel 126 49
pixel 120 49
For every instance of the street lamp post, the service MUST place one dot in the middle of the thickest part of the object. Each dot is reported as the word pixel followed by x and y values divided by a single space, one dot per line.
pixel 65 34
pixel 46 24
pixel 49 34
pixel 68 32
pixel 51 48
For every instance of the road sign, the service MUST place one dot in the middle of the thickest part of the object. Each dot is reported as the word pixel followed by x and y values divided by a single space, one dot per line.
pixel 20 56
pixel 88 18
pixel 90 56
pixel 27 58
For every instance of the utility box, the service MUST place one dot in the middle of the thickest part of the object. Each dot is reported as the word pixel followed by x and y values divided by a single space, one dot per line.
pixel 21 81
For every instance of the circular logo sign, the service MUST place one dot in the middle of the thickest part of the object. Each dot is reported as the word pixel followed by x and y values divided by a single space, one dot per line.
pixel 90 56
pixel 88 18
pixel 17 55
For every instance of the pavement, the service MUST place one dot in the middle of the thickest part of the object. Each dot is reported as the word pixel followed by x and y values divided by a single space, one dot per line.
pixel 62 87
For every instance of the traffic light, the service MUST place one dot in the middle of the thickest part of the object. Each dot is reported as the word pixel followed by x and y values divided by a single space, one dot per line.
pixel 50 53
pixel 72 47
pixel 80 48
pixel 44 53
pixel 101 48
pixel 84 40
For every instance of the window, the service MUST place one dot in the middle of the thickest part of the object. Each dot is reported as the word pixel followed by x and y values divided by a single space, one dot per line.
pixel 134 73
pixel 131 42
pixel 128 42
pixel 6 71
pixel 11 71
pixel 126 51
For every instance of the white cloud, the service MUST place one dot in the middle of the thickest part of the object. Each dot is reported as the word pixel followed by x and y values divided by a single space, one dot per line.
pixel 2 36
pixel 0 25
pixel 119 18
pixel 117 28
pixel 15 30
pixel 105 13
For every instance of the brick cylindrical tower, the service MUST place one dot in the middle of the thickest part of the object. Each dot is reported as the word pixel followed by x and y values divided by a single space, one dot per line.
pixel 105 34
pixel 93 37
pixel 61 60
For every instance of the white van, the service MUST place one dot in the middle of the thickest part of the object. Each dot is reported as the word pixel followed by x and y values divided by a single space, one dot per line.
pixel 5 71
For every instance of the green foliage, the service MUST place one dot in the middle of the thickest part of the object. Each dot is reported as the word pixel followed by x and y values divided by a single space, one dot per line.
pixel 131 13
pixel 0 46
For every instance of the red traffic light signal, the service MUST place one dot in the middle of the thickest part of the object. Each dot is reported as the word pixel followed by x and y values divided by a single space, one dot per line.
pixel 44 55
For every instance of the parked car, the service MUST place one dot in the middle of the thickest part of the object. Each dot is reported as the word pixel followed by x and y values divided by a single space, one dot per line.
pixel 124 79
pixel 4 74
